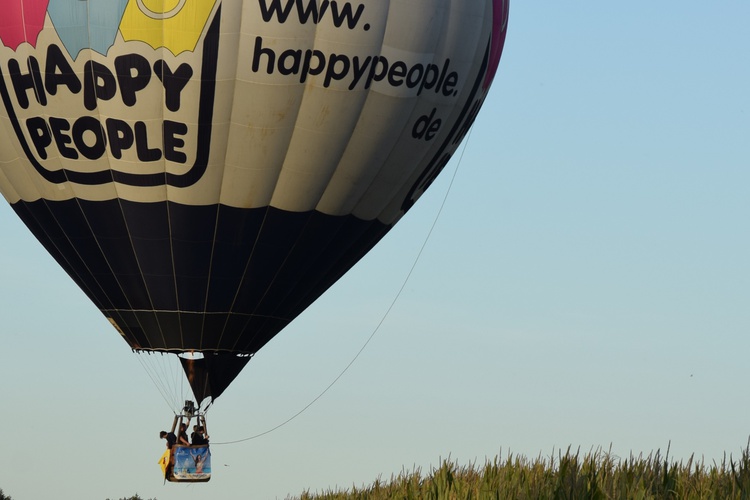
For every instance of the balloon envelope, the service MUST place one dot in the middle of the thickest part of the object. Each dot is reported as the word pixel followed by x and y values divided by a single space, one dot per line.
pixel 204 170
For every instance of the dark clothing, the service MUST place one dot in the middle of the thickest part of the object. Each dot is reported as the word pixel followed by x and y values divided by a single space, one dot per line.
pixel 171 439
pixel 183 435
pixel 198 439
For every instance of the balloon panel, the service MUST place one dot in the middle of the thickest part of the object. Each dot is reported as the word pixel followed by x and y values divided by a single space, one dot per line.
pixel 204 170
pixel 252 272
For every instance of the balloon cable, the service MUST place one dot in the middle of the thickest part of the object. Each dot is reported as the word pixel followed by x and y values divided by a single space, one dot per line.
pixel 166 377
pixel 382 320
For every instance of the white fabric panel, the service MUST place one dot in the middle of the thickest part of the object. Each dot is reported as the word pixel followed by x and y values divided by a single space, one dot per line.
pixel 320 138
pixel 393 211
pixel 410 156
pixel 262 125
pixel 416 26
pixel 383 120
pixel 10 163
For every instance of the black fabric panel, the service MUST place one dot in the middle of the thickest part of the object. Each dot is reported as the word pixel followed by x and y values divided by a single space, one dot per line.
pixel 45 229
pixel 282 301
pixel 237 277
pixel 278 235
pixel 315 240
pixel 109 231
pixel 150 328
pixel 237 327
pixel 346 242
pixel 328 263
pixel 261 330
pixel 171 335
pixel 213 326
pixel 352 243
pixel 191 330
pixel 211 375
pixel 148 225
pixel 130 325
pixel 192 233
pixel 49 223
pixel 236 234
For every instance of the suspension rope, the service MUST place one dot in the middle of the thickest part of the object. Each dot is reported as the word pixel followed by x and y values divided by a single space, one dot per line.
pixel 161 387
pixel 382 320
pixel 167 375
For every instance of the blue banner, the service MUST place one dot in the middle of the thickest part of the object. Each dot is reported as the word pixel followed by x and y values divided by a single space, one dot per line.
pixel 191 463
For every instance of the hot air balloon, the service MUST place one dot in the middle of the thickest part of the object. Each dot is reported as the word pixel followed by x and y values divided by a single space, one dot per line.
pixel 204 170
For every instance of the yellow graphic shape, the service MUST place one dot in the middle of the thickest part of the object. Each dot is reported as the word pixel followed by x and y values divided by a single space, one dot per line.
pixel 164 461
pixel 176 25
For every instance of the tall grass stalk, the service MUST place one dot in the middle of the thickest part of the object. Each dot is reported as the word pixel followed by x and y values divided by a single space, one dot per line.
pixel 593 476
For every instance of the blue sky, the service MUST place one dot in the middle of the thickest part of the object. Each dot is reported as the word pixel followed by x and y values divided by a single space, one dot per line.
pixel 586 284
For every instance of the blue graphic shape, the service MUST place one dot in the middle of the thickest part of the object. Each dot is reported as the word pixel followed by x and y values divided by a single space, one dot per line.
pixel 83 24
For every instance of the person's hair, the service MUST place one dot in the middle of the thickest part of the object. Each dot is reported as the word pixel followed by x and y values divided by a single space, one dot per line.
pixel 162 434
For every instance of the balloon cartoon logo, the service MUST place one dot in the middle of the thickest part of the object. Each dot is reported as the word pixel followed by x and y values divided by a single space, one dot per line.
pixel 126 72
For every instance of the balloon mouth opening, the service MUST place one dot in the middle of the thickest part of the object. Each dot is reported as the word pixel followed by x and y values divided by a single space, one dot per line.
pixel 201 355
pixel 190 355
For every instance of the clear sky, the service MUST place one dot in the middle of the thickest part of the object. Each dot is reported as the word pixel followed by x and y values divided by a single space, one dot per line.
pixel 586 284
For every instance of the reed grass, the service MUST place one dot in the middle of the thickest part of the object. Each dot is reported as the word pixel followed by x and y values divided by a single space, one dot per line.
pixel 595 475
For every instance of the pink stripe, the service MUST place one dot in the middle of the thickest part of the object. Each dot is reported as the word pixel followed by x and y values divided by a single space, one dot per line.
pixel 22 21
pixel 499 26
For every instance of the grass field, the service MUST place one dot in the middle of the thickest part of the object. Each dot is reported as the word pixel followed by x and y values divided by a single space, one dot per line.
pixel 569 475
